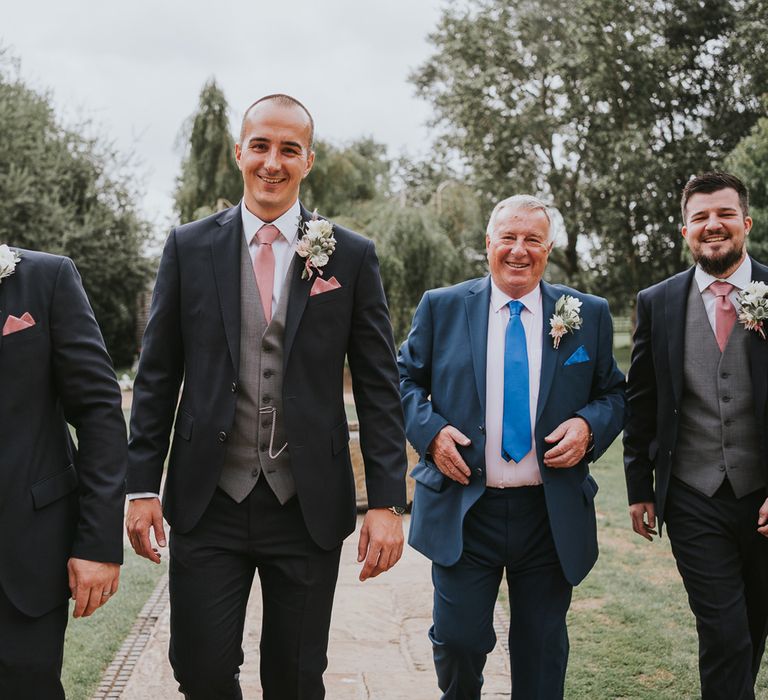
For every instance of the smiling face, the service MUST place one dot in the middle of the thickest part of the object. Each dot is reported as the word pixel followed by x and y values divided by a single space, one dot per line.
pixel 715 230
pixel 518 248
pixel 274 156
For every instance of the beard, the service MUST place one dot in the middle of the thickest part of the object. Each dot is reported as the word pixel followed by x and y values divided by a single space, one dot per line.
pixel 720 264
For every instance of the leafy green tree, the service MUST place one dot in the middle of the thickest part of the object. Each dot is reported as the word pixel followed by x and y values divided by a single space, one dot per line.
pixel 749 161
pixel 343 178
pixel 415 255
pixel 66 193
pixel 209 172
pixel 604 109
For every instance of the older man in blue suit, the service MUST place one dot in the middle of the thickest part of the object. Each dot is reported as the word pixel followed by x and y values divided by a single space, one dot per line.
pixel 510 389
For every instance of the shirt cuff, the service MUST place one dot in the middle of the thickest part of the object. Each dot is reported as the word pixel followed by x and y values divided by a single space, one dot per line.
pixel 142 494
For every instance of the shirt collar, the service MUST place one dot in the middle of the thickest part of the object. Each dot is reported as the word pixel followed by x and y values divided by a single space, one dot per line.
pixel 531 301
pixel 740 278
pixel 287 223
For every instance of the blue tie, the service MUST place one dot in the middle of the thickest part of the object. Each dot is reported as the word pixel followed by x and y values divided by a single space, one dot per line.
pixel 516 426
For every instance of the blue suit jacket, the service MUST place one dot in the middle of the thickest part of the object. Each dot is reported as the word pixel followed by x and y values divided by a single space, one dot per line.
pixel 442 381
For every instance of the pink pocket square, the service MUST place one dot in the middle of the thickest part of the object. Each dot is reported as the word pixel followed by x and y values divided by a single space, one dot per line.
pixel 14 325
pixel 320 286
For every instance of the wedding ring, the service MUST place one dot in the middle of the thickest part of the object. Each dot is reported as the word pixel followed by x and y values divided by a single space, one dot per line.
pixel 105 595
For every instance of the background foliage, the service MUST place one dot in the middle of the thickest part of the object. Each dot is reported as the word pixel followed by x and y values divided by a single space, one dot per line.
pixel 64 192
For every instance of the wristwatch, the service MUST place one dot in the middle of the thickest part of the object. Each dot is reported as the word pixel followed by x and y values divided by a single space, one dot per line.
pixel 397 510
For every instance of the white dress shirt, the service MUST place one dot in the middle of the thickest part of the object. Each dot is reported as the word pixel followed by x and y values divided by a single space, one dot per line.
pixel 499 472
pixel 740 279
pixel 283 247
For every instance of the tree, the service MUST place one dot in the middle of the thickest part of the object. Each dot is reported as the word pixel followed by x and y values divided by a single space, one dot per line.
pixel 343 178
pixel 749 161
pixel 66 193
pixel 604 109
pixel 208 170
pixel 415 255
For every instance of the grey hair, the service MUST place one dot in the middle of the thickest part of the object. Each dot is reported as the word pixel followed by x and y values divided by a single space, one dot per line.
pixel 520 201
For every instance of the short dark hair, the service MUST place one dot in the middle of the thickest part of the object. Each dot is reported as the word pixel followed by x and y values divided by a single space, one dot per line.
pixel 285 101
pixel 713 182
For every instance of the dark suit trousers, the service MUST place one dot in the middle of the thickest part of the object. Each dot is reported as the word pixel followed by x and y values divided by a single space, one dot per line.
pixel 31 653
pixel 211 573
pixel 507 529
pixel 724 565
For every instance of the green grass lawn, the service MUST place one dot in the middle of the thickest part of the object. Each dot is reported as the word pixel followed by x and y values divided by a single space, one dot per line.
pixel 91 643
pixel 632 633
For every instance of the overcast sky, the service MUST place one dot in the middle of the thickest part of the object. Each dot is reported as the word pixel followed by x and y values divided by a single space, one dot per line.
pixel 136 68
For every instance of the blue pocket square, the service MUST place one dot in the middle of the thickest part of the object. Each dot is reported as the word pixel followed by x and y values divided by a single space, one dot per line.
pixel 581 355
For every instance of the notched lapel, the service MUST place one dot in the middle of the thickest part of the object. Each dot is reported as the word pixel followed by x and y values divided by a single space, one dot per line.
pixel 297 301
pixel 549 355
pixel 477 303
pixel 675 306
pixel 758 355
pixel 226 244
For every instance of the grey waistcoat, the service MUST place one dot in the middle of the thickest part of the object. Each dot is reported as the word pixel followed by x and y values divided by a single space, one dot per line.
pixel 260 396
pixel 718 433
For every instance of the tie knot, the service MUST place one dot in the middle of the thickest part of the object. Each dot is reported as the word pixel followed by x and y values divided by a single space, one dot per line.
pixel 267 234
pixel 516 308
pixel 721 289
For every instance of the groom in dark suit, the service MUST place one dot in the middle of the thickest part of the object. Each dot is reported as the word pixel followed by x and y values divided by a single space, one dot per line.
pixel 695 445
pixel 510 389
pixel 61 507
pixel 256 309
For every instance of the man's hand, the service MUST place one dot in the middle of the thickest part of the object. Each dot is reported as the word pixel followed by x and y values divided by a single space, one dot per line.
pixel 572 440
pixel 643 517
pixel 381 542
pixel 92 584
pixel 762 519
pixel 447 457
pixel 145 514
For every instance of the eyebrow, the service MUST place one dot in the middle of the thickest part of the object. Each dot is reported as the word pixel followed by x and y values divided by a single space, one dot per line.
pixel 262 139
pixel 718 209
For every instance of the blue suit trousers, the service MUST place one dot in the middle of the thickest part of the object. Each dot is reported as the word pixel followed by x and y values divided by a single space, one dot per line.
pixel 506 530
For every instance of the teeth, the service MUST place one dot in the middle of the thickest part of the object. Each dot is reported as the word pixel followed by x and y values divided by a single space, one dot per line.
pixel 271 180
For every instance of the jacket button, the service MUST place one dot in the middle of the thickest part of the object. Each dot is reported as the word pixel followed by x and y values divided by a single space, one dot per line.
pixel 726 399
pixel 234 387
pixel 265 424
pixel 725 375
pixel 479 471
pixel 222 436
pixel 266 347
pixel 481 428
pixel 267 373
pixel 721 467
pixel 263 447
pixel 266 398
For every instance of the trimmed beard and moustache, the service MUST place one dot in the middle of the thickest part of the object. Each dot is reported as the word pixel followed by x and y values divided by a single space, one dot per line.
pixel 721 264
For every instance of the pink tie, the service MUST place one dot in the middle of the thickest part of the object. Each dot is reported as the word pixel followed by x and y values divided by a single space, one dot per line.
pixel 264 266
pixel 725 312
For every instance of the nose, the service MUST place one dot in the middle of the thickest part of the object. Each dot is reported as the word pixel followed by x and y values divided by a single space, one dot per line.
pixel 272 161
pixel 714 223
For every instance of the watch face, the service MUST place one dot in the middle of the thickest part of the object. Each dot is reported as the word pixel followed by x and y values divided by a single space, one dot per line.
pixel 398 510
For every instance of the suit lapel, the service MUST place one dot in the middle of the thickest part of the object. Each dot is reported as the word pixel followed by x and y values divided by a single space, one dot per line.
pixel 226 245
pixel 758 354
pixel 477 303
pixel 549 354
pixel 675 305
pixel 298 290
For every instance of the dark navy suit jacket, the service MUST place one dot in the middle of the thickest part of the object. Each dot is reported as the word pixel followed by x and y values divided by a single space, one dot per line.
pixel 442 381
pixel 56 501
pixel 193 334
pixel 655 386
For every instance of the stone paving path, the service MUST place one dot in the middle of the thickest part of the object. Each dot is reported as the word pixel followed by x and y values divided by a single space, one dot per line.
pixel 378 648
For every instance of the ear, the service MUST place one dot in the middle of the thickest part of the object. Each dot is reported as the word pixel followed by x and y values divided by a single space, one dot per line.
pixel 684 231
pixel 310 163
pixel 238 154
pixel 747 225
